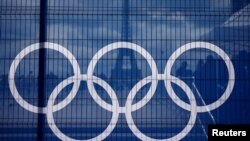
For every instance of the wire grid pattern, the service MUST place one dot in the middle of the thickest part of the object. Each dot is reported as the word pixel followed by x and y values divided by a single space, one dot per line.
pixel 160 27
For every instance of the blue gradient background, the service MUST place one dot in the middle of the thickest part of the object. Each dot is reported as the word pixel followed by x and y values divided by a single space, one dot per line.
pixel 161 26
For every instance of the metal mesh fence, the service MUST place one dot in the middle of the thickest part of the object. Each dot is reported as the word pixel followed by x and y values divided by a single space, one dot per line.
pixel 100 69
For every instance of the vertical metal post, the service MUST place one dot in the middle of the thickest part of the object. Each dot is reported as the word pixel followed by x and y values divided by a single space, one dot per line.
pixel 42 69
pixel 126 31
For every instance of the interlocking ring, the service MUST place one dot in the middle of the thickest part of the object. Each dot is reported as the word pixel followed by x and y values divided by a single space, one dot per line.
pixel 20 57
pixel 129 107
pixel 65 83
pixel 114 46
pixel 142 83
pixel 211 47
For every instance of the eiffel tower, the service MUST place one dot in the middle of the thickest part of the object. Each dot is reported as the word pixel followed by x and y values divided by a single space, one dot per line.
pixel 126 71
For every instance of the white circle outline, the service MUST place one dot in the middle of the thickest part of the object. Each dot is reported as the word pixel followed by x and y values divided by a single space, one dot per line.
pixel 129 106
pixel 179 136
pixel 114 46
pixel 56 92
pixel 211 47
pixel 18 59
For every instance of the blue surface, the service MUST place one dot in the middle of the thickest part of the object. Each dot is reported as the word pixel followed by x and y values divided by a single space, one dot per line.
pixel 160 27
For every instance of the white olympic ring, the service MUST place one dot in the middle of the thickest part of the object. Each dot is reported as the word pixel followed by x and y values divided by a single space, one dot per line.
pixel 177 137
pixel 129 107
pixel 19 58
pixel 211 47
pixel 68 81
pixel 114 46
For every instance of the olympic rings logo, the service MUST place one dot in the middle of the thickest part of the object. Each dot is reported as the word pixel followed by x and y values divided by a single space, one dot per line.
pixel 115 108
